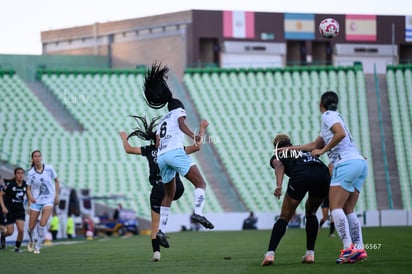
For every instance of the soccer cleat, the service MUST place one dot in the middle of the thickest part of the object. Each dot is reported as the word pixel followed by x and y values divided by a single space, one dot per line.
pixel 358 255
pixel 17 250
pixel 156 256
pixel 30 246
pixel 162 239
pixel 268 259
pixel 344 256
pixel 202 220
pixel 36 251
pixel 351 255
pixel 308 259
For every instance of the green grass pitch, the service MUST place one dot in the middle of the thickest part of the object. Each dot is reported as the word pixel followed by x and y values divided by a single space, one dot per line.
pixel 389 251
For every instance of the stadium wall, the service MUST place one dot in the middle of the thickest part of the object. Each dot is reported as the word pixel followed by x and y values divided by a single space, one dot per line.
pixel 234 221
pixel 196 38
pixel 27 65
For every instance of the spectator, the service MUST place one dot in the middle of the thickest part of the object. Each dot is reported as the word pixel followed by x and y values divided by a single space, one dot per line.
pixel 250 222
pixel 54 226
pixel 116 212
pixel 70 227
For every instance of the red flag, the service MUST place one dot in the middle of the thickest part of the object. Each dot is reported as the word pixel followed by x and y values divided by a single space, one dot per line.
pixel 238 24
pixel 360 27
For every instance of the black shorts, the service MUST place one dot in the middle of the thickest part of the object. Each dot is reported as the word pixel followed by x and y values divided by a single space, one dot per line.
pixel 315 179
pixel 14 215
pixel 158 192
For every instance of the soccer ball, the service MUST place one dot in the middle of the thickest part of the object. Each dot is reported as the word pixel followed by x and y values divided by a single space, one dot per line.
pixel 329 28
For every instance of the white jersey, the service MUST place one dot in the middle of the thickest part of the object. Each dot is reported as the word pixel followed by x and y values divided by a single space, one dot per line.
pixel 42 184
pixel 171 136
pixel 346 148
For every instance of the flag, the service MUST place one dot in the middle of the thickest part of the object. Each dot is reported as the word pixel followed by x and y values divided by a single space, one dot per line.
pixel 238 24
pixel 408 28
pixel 360 27
pixel 299 26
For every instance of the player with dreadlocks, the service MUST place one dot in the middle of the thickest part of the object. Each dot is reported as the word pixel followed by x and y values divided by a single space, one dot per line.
pixel 171 157
pixel 145 131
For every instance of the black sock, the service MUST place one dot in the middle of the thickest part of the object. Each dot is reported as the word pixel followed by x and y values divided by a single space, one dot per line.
pixel 155 245
pixel 331 228
pixel 312 226
pixel 321 223
pixel 279 229
pixel 18 244
pixel 3 241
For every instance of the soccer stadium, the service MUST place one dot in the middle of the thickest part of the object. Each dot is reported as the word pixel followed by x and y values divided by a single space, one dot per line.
pixel 252 75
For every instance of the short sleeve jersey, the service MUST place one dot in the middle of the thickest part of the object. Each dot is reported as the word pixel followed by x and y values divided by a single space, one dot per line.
pixel 346 149
pixel 296 161
pixel 150 152
pixel 13 193
pixel 42 184
pixel 171 136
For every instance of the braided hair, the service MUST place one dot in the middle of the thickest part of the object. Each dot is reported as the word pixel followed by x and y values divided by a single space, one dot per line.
pixel 145 130
pixel 156 91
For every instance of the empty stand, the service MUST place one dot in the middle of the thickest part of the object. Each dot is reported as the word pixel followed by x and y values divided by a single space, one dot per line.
pixel 247 108
pixel 399 80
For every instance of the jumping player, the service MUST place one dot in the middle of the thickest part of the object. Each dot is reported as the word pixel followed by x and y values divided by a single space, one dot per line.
pixel 307 174
pixel 12 206
pixel 171 156
pixel 146 132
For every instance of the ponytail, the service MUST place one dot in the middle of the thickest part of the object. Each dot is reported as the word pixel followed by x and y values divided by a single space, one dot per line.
pixel 156 90
pixel 145 130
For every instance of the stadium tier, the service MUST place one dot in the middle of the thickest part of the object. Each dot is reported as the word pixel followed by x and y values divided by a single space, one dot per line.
pixel 247 108
pixel 93 157
pixel 399 81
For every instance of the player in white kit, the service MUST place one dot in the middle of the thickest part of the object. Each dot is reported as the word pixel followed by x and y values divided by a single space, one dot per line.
pixel 349 173
pixel 43 193
pixel 171 157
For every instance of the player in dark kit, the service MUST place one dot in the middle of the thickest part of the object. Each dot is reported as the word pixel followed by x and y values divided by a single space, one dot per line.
pixel 146 132
pixel 306 174
pixel 12 195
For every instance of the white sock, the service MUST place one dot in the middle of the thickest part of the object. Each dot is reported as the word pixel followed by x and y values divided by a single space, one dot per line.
pixel 355 230
pixel 342 227
pixel 164 215
pixel 310 252
pixel 199 201
pixel 42 234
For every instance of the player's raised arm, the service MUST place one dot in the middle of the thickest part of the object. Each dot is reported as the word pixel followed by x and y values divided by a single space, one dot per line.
pixel 126 145
pixel 198 142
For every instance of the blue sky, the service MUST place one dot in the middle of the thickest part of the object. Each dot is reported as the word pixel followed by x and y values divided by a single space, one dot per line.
pixel 22 21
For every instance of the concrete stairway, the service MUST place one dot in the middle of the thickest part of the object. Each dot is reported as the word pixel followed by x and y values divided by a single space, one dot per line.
pixel 377 147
